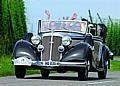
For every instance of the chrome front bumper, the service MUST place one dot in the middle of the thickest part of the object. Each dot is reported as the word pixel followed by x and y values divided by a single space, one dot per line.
pixel 56 64
pixel 22 61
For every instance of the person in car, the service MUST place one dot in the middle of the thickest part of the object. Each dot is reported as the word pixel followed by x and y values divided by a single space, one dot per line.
pixel 92 29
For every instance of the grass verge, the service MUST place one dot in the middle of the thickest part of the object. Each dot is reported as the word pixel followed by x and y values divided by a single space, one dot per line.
pixel 115 64
pixel 6 67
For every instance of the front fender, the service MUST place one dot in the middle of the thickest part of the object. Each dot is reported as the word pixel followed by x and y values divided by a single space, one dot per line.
pixel 109 54
pixel 77 53
pixel 24 48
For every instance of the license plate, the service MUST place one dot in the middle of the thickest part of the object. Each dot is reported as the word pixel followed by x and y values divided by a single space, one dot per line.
pixel 49 63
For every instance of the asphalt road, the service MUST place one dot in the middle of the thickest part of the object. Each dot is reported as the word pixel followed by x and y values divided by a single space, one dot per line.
pixel 66 79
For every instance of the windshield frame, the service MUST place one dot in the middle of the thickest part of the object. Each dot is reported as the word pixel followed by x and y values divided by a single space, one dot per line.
pixel 61 30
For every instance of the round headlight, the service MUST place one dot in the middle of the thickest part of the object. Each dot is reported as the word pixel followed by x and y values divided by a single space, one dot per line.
pixel 35 39
pixel 66 41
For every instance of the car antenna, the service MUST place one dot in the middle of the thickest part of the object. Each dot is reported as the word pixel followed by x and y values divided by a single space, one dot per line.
pixel 90 16
pixel 110 20
pixel 100 18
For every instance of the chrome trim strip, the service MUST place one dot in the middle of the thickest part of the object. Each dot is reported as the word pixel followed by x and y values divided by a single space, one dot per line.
pixel 41 55
pixel 73 64
pixel 51 44
pixel 60 56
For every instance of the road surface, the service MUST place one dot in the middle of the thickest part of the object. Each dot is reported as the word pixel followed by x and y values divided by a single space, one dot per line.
pixel 66 79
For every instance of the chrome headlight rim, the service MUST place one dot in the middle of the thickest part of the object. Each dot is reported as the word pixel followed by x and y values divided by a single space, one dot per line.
pixel 66 41
pixel 35 39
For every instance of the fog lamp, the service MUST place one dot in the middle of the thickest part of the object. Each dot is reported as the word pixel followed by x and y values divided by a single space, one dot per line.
pixel 40 48
pixel 61 49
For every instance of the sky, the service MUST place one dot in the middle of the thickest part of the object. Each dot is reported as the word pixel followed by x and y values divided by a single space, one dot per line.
pixel 35 9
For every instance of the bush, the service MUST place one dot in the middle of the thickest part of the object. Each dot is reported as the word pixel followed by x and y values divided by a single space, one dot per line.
pixel 113 37
pixel 12 24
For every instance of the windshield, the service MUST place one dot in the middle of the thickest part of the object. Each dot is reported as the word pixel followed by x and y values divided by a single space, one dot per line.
pixel 65 25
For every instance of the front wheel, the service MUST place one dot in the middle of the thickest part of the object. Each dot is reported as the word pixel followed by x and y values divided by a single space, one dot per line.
pixel 102 74
pixel 45 73
pixel 20 72
pixel 83 74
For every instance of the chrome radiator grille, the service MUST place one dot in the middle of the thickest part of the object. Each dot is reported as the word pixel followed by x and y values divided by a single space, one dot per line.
pixel 51 45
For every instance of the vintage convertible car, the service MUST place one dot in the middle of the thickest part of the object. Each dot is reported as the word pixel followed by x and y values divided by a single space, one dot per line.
pixel 63 45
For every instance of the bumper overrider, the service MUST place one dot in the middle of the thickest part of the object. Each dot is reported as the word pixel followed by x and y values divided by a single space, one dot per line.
pixel 23 61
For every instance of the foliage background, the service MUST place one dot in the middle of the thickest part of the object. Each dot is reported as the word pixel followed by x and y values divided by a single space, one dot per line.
pixel 113 36
pixel 13 27
pixel 12 24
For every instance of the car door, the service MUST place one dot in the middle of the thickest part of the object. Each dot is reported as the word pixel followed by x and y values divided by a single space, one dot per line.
pixel 97 52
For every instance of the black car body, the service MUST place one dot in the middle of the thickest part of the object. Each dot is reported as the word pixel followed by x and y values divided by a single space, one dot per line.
pixel 62 46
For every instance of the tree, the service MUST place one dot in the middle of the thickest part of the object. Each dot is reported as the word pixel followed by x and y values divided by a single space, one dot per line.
pixel 13 26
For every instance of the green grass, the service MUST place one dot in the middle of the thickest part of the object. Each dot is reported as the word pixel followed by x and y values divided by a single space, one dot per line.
pixel 115 64
pixel 7 68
